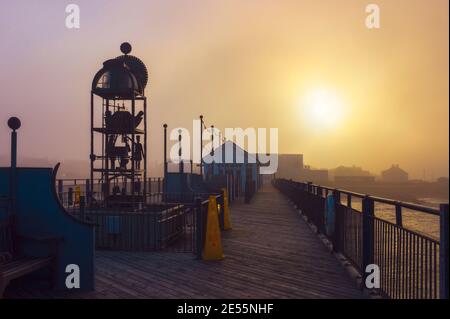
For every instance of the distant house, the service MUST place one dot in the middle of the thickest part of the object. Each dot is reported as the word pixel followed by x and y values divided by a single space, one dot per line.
pixel 318 176
pixel 394 175
pixel 230 159
pixel 354 179
pixel 289 166
pixel 347 171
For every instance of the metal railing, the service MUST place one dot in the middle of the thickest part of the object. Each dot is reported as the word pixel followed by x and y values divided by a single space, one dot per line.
pixel 143 230
pixel 412 264
pixel 164 226
pixel 153 185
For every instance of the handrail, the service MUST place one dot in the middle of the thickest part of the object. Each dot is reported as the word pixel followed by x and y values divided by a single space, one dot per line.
pixel 412 206
pixel 411 264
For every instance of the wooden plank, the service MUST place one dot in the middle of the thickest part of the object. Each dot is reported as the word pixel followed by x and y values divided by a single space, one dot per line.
pixel 270 253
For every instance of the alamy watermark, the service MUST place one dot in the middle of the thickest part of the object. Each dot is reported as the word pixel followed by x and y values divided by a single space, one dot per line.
pixel 73 16
pixel 72 20
pixel 373 19
pixel 73 277
pixel 226 148
pixel 372 277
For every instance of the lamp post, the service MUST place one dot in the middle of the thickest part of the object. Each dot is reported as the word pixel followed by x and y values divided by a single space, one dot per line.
pixel 201 146
pixel 14 124
pixel 212 150
pixel 165 151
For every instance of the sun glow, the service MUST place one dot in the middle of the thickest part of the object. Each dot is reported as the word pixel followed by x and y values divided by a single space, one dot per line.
pixel 323 108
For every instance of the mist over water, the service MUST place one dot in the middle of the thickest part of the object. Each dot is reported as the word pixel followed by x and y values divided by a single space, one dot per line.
pixel 421 222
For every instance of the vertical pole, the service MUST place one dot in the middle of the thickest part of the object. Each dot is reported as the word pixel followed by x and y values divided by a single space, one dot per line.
pixel 87 190
pixel 212 150
pixel 165 150
pixel 82 208
pixel 133 149
pixel 233 185
pixel 337 221
pixel 91 155
pixel 320 211
pixel 398 215
pixel 201 146
pixel 165 162
pixel 105 173
pixel 368 234
pixel 60 190
pixel 223 159
pixel 70 196
pixel 13 178
pixel 443 253
pixel 145 148
pixel 199 227
pixel 14 124
pixel 221 201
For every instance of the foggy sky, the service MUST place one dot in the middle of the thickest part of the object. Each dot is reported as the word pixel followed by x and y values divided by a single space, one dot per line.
pixel 240 63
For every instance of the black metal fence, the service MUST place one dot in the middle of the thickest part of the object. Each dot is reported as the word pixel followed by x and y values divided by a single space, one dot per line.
pixel 165 226
pixel 412 264
pixel 171 227
pixel 69 188
pixel 158 221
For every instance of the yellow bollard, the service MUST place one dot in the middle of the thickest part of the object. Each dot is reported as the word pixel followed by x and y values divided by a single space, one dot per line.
pixel 213 241
pixel 77 194
pixel 226 211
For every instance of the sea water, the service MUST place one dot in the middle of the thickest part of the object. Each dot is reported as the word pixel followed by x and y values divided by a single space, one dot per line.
pixel 417 221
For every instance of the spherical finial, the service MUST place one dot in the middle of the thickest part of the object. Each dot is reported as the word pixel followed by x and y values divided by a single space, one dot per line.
pixel 165 125
pixel 125 48
pixel 14 123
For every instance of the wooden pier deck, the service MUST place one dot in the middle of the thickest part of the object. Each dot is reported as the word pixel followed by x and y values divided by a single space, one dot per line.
pixel 270 253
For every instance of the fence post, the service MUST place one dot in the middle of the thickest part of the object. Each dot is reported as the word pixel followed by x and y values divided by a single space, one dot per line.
pixel 88 190
pixel 60 190
pixel 221 212
pixel 368 234
pixel 337 221
pixel 308 201
pixel 296 195
pixel 398 215
pixel 443 253
pixel 70 196
pixel 82 208
pixel 247 195
pixel 320 210
pixel 230 187
pixel 199 227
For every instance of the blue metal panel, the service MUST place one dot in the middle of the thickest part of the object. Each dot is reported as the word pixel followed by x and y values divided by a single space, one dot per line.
pixel 114 225
pixel 39 214
pixel 175 183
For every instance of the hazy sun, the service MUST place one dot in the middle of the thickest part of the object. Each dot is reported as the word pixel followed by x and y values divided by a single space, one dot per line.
pixel 323 107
